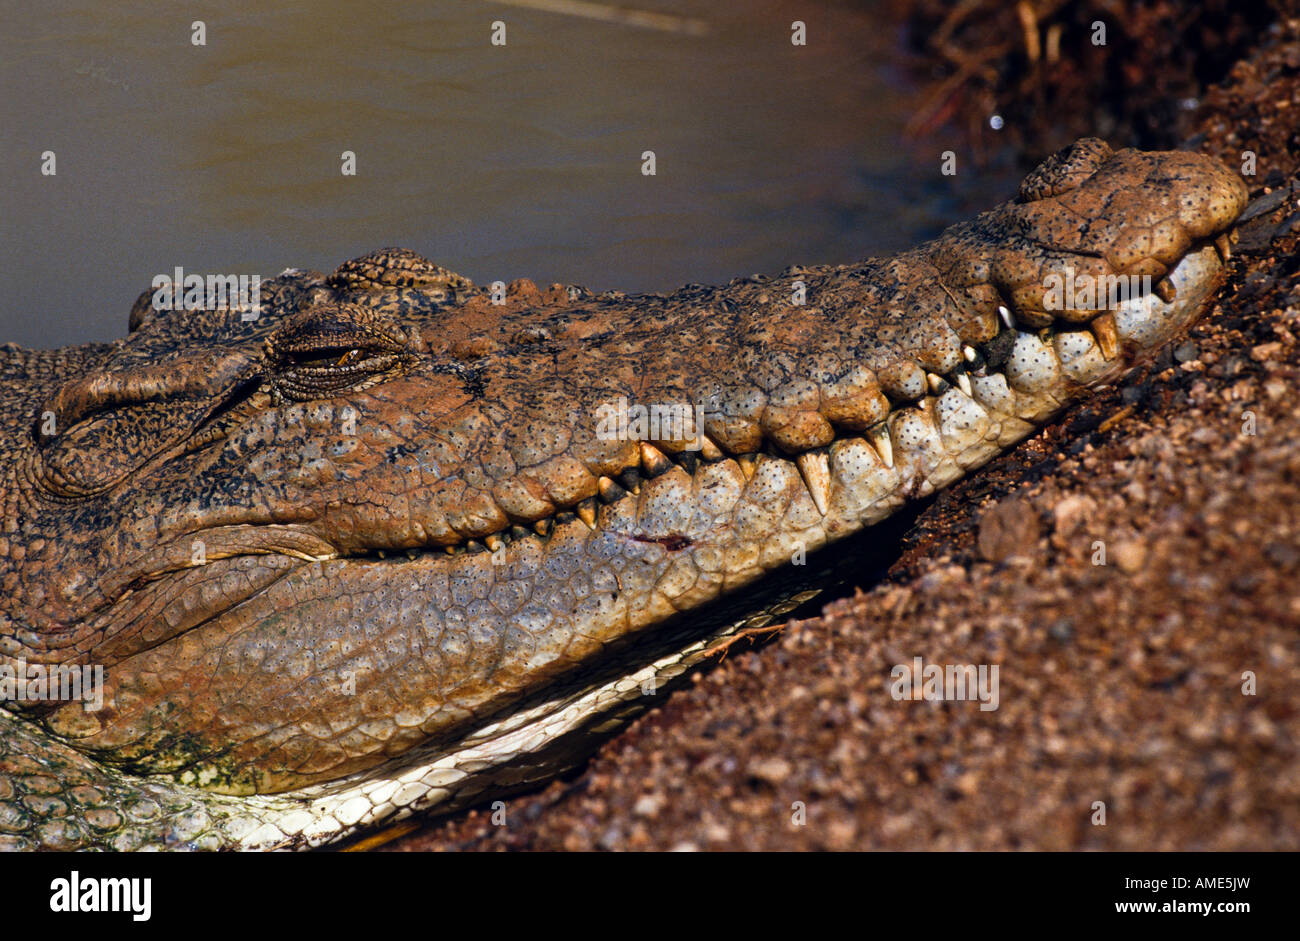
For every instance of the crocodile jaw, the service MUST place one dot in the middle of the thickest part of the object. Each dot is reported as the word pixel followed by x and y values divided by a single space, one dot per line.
pixel 935 444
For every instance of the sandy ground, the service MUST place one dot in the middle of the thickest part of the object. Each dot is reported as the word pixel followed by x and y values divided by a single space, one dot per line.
pixel 1124 683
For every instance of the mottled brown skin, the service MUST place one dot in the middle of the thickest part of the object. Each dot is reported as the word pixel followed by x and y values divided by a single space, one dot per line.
pixel 273 533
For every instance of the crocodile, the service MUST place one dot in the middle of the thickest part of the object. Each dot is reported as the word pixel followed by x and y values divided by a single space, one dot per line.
pixel 387 542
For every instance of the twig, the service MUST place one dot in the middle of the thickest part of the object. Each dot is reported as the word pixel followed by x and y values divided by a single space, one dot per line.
pixel 749 632
pixel 645 19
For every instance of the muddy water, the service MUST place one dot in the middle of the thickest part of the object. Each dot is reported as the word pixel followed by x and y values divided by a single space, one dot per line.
pixel 500 161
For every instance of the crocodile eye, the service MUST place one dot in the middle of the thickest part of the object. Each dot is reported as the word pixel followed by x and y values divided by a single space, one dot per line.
pixel 335 348
pixel 324 357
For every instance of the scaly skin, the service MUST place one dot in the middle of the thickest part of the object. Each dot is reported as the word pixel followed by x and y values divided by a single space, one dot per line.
pixel 273 533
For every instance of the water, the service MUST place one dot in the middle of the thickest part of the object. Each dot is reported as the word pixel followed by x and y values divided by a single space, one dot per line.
pixel 522 160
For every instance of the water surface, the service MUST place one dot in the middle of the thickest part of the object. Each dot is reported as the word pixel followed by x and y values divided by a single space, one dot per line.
pixel 522 160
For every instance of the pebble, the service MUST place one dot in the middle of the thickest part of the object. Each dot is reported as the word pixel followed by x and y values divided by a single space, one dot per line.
pixel 772 770
pixel 1008 528
pixel 1072 513
pixel 1061 630
pixel 1265 351
pixel 648 805
pixel 1130 555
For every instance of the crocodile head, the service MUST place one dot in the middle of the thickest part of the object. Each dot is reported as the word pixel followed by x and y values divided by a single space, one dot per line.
pixel 393 531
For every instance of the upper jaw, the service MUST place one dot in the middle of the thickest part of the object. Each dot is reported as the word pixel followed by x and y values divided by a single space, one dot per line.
pixel 1092 215
pixel 521 447
pixel 506 443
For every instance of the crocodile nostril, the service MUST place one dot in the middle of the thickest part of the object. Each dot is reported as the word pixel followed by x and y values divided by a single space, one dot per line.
pixel 1065 169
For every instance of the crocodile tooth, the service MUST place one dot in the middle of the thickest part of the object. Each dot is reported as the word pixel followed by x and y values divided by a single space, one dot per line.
pixel 938 384
pixel 475 546
pixel 1007 317
pixel 815 467
pixel 586 511
pixel 688 461
pixel 879 438
pixel 1223 245
pixel 963 382
pixel 494 542
pixel 412 553
pixel 748 464
pixel 1106 330
pixel 1166 291
pixel 630 478
pixel 518 532
pixel 970 353
pixel 542 527
pixel 609 491
pixel 653 460
pixel 709 449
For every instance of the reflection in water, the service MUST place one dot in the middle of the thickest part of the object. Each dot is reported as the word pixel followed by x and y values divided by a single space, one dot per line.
pixel 500 161
pixel 624 16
